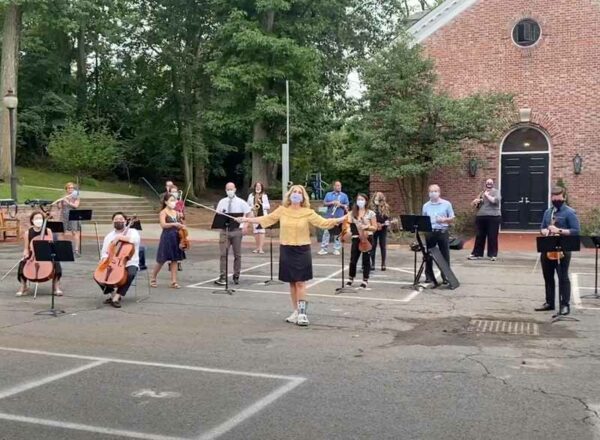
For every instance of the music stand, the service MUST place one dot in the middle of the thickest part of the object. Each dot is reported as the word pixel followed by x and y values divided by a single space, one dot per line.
pixel 271 280
pixel 225 223
pixel 55 252
pixel 80 215
pixel 343 288
pixel 416 224
pixel 559 243
pixel 592 242
pixel 56 227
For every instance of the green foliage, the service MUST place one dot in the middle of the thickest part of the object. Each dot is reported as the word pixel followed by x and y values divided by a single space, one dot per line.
pixel 74 150
pixel 590 224
pixel 405 128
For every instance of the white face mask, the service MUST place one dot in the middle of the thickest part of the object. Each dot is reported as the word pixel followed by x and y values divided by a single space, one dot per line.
pixel 38 222
pixel 434 195
pixel 230 193
pixel 171 204
pixel 361 203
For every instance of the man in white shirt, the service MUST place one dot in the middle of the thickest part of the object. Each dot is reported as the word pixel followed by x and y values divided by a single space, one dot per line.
pixel 233 238
pixel 132 236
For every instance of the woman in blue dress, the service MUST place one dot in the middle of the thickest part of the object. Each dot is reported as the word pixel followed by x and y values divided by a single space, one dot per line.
pixel 169 248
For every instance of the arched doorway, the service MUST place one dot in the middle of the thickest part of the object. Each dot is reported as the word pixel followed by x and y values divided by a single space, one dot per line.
pixel 524 177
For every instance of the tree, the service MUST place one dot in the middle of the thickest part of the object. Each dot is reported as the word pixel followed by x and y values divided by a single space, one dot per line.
pixel 11 32
pixel 406 129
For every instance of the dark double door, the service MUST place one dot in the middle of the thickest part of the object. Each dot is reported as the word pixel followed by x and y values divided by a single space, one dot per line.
pixel 524 190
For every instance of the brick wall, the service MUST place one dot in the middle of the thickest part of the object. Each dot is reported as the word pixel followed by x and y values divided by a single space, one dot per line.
pixel 558 78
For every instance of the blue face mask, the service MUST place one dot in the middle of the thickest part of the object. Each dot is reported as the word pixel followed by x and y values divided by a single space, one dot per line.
pixel 296 198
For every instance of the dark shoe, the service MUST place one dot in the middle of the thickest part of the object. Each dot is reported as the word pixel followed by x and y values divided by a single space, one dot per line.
pixel 236 280
pixel 564 310
pixel 179 269
pixel 220 281
pixel 116 304
pixel 372 269
pixel 383 268
pixel 108 300
pixel 545 307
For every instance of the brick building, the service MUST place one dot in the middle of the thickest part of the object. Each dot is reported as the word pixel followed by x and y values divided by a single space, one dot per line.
pixel 545 53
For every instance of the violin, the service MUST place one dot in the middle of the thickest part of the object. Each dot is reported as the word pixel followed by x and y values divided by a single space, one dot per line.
pixel 184 241
pixel 112 271
pixel 39 271
pixel 364 245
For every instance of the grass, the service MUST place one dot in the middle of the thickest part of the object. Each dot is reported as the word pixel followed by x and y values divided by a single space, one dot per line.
pixel 24 193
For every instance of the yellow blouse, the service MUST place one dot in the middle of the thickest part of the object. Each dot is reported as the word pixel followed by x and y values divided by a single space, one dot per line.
pixel 294 224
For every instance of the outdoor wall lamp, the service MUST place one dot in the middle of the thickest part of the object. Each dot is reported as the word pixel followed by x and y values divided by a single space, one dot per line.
pixel 577 164
pixel 473 165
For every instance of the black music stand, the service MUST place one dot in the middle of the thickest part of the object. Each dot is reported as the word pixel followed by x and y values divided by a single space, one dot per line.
pixel 592 242
pixel 416 224
pixel 80 215
pixel 272 280
pixel 55 252
pixel 559 243
pixel 343 288
pixel 225 223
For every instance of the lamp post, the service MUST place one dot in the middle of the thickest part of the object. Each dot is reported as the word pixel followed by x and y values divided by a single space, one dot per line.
pixel 11 102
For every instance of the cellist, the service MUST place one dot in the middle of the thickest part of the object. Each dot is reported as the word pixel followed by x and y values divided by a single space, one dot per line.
pixel 131 236
pixel 36 219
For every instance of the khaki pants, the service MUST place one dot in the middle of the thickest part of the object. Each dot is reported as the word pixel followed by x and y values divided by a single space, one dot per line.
pixel 233 239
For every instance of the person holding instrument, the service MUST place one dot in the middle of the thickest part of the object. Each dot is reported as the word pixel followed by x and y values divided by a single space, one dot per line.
pixel 36 219
pixel 558 220
pixel 487 221
pixel 337 204
pixel 363 223
pixel 169 246
pixel 66 204
pixel 382 212
pixel 259 202
pixel 295 217
pixel 121 233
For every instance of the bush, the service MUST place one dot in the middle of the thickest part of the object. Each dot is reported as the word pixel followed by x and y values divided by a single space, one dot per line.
pixel 464 224
pixel 74 150
pixel 591 223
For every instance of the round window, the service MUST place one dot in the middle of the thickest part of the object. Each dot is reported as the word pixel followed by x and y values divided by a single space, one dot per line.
pixel 526 33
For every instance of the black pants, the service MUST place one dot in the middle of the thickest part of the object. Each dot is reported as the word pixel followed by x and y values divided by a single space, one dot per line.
pixel 131 273
pixel 379 237
pixel 561 267
pixel 487 228
pixel 355 253
pixel 439 239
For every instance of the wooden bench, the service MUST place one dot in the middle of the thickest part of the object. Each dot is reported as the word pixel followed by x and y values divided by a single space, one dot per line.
pixel 10 226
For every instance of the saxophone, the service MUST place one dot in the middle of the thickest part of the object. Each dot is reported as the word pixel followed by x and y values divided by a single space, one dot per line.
pixel 555 255
pixel 257 209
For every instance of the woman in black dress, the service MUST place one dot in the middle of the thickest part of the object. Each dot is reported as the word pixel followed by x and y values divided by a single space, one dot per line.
pixel 382 213
pixel 169 248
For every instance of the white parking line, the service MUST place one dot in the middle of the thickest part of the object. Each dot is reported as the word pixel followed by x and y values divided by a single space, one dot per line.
pixel 242 271
pixel 321 280
pixel 36 383
pixel 576 296
pixel 408 298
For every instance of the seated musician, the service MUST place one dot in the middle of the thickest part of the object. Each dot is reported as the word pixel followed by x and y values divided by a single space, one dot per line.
pixel 132 236
pixel 36 219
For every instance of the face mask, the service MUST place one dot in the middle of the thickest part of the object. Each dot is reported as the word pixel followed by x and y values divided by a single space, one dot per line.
pixel 258 190
pixel 489 185
pixel 434 195
pixel 119 226
pixel 296 198
pixel 176 195
pixel 172 204
pixel 230 193
pixel 38 222
pixel 376 201
pixel 558 203
pixel 360 203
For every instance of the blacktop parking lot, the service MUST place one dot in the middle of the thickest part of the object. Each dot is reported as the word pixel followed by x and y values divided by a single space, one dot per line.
pixel 390 362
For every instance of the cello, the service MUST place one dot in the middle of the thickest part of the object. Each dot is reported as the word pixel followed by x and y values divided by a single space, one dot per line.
pixel 38 271
pixel 112 270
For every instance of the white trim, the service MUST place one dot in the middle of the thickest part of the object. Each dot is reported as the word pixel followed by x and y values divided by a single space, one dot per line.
pixel 548 152
pixel 438 18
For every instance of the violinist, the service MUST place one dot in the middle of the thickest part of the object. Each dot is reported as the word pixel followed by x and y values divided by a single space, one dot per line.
pixel 363 223
pixel 69 202
pixel 36 219
pixel 180 204
pixel 169 247
pixel 259 202
pixel 127 236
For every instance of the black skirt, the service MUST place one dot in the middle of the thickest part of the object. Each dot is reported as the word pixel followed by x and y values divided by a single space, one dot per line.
pixel 295 263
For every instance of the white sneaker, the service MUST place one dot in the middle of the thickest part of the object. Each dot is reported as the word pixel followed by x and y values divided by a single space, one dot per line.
pixel 302 320
pixel 23 292
pixel 322 252
pixel 293 318
pixel 336 252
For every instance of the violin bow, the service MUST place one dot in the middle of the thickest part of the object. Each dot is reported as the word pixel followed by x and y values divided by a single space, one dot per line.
pixel 213 210
pixel 187 192
pixel 98 240
pixel 10 270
